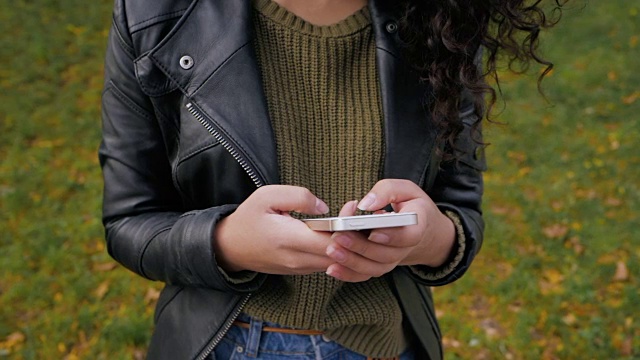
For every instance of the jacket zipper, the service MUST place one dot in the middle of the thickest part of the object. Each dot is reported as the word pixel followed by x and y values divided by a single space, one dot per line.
pixel 225 328
pixel 212 129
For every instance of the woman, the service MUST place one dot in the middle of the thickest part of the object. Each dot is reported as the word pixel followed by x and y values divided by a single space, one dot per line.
pixel 225 122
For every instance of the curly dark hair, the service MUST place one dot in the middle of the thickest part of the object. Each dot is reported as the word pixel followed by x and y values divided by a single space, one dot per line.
pixel 442 40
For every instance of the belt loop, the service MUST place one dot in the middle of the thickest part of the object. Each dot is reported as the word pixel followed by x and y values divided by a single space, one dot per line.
pixel 253 340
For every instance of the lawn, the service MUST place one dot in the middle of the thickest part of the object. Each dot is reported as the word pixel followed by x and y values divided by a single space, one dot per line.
pixel 558 276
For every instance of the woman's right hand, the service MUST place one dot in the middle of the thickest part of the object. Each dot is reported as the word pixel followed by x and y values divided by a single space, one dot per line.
pixel 261 235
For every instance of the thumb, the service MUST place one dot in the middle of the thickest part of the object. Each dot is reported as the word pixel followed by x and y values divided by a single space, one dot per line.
pixel 390 191
pixel 349 209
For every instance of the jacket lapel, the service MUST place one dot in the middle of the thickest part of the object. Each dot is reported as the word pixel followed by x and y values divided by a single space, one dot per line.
pixel 409 132
pixel 224 81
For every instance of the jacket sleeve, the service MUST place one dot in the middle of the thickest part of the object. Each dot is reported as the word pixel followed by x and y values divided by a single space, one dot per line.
pixel 457 190
pixel 146 227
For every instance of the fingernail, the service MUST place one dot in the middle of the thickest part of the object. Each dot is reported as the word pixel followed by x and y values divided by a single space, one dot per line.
pixel 379 238
pixel 335 254
pixel 321 206
pixel 367 201
pixel 331 271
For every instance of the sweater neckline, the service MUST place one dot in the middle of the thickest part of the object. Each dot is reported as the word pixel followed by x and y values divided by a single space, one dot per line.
pixel 345 27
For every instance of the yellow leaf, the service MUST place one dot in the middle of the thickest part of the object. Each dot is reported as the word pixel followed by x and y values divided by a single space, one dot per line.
pixel 605 259
pixel 12 340
pixel 631 98
pixel 551 282
pixel 524 171
pixel 554 276
pixel 569 319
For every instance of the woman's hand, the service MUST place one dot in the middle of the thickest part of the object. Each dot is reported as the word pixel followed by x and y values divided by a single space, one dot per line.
pixel 359 257
pixel 261 235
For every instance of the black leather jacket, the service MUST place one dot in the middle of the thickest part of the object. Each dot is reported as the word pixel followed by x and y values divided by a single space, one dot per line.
pixel 186 137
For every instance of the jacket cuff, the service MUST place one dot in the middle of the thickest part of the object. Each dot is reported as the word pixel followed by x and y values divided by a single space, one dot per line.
pixel 238 278
pixel 189 247
pixel 457 254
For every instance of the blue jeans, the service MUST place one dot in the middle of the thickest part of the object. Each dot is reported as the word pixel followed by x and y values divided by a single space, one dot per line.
pixel 255 344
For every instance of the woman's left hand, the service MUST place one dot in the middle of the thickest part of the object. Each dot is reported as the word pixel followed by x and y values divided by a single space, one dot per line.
pixel 360 257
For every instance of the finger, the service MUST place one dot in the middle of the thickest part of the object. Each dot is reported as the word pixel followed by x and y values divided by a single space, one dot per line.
pixel 286 198
pixel 390 191
pixel 349 209
pixel 347 275
pixel 346 246
pixel 364 264
pixel 303 264
pixel 395 237
pixel 306 240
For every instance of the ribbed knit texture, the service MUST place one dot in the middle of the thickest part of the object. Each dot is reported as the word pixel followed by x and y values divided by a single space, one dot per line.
pixel 324 103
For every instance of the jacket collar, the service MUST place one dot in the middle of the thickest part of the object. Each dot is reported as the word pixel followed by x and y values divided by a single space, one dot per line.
pixel 225 83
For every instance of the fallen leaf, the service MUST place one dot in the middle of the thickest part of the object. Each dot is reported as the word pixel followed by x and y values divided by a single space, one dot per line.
pixel 555 231
pixel 450 343
pixel 482 354
pixel 13 339
pixel 628 322
pixel 569 319
pixel 551 282
pixel 554 276
pixel 491 328
pixel 557 205
pixel 151 296
pixel 627 347
pixel 139 354
pixel 611 201
pixel 631 98
pixel 518 157
pixel 575 244
pixel 622 273
pixel 105 266
pixel 102 290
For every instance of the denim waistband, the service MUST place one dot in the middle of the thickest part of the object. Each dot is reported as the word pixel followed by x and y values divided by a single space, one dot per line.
pixel 252 342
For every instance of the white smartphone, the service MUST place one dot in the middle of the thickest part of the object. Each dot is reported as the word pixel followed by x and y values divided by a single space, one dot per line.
pixel 362 222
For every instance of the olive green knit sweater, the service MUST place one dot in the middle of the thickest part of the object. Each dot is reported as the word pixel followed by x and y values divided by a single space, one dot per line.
pixel 324 103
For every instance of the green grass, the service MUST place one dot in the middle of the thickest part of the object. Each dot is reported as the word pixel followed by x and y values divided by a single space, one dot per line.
pixel 562 200
pixel 562 204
